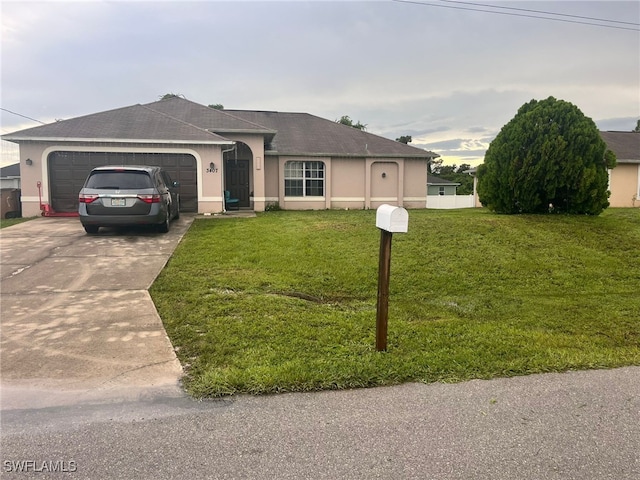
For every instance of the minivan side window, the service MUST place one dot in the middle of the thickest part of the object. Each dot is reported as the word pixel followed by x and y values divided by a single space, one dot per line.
pixel 167 178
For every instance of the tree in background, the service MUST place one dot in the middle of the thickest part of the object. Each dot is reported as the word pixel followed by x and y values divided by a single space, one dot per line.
pixel 548 158
pixel 216 106
pixel 434 165
pixel 406 139
pixel 167 96
pixel 346 120
pixel 637 129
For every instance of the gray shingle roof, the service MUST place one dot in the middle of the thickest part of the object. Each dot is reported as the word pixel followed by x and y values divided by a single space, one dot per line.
pixel 135 123
pixel 179 120
pixel 10 171
pixel 305 134
pixel 433 180
pixel 205 117
pixel 626 145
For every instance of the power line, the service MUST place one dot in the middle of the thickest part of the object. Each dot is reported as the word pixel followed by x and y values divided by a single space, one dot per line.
pixel 543 12
pixel 20 115
pixel 617 27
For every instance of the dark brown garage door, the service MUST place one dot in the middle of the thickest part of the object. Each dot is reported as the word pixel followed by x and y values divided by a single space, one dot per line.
pixel 68 171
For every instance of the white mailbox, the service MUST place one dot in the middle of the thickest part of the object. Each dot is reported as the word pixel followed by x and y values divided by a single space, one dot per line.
pixel 392 219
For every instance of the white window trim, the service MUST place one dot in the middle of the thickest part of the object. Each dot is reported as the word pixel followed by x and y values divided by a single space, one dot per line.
pixel 304 179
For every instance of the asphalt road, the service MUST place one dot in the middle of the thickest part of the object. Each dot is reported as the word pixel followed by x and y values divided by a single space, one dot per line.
pixel 577 425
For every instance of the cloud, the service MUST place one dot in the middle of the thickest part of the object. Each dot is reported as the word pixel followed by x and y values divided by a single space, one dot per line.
pixel 437 74
pixel 458 150
pixel 624 124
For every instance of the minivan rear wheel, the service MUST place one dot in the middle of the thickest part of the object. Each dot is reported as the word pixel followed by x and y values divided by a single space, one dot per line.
pixel 164 226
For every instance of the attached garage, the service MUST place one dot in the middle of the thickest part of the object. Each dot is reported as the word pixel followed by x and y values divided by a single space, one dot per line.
pixel 69 169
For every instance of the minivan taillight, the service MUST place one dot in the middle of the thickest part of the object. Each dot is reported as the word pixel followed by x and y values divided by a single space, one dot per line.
pixel 87 198
pixel 155 198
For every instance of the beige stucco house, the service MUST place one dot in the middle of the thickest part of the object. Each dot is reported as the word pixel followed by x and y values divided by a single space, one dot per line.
pixel 295 160
pixel 624 179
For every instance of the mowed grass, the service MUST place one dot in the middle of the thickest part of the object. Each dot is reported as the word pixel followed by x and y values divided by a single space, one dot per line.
pixel 8 222
pixel 287 301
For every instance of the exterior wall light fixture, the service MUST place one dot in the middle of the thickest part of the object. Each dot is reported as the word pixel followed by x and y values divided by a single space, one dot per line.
pixel 29 162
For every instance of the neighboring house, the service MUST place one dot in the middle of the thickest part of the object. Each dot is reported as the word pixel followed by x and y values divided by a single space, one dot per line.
pixel 624 179
pixel 10 176
pixel 440 186
pixel 10 191
pixel 295 160
pixel 442 194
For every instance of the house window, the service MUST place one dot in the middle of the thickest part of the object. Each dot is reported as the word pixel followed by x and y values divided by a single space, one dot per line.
pixel 304 179
pixel 440 190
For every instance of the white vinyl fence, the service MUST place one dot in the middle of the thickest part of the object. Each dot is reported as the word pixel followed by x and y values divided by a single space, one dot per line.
pixel 450 201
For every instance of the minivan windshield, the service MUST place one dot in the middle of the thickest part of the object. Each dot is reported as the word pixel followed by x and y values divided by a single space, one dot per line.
pixel 119 180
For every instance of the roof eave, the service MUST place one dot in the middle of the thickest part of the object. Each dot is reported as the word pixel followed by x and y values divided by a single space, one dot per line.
pixel 242 130
pixel 349 155
pixel 11 138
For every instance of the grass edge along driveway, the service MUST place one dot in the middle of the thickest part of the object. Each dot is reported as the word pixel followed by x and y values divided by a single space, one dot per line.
pixel 9 222
pixel 286 301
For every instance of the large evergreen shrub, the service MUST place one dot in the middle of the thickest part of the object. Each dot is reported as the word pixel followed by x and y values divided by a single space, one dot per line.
pixel 548 158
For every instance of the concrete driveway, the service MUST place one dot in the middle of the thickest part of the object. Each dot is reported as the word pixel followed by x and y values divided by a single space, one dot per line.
pixel 78 323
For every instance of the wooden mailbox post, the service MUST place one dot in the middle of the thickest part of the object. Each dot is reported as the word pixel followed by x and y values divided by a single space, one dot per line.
pixel 389 219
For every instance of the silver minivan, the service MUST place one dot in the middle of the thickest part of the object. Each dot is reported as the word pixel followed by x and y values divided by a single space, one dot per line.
pixel 114 196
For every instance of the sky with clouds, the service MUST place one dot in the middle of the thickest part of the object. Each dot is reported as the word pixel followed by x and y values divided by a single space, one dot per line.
pixel 448 73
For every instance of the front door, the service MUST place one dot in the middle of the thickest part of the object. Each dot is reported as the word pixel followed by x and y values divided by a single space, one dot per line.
pixel 236 180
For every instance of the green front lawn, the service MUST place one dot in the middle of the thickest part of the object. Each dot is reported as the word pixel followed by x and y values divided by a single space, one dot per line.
pixel 7 222
pixel 287 301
